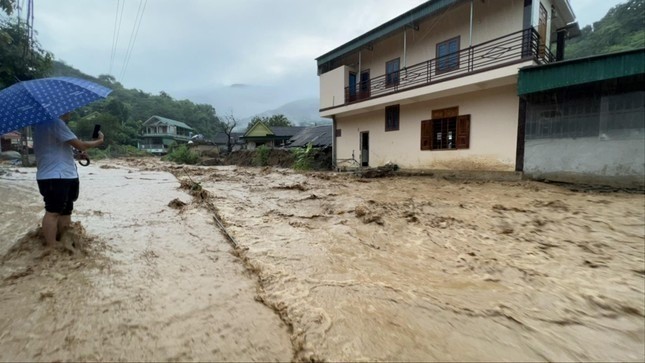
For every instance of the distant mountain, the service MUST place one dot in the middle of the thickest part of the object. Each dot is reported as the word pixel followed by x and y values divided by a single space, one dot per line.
pixel 302 112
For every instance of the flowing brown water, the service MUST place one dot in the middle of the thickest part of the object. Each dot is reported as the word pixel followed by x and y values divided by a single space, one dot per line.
pixel 149 282
pixel 380 269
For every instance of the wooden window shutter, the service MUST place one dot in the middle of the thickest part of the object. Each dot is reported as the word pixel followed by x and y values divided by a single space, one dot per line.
pixel 426 135
pixel 445 112
pixel 463 132
pixel 451 112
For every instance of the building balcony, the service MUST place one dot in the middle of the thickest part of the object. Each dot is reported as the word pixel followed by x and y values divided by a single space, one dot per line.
pixel 166 135
pixel 519 47
pixel 152 147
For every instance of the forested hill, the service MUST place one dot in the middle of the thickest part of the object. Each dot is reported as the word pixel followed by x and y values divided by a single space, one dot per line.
pixel 622 28
pixel 126 109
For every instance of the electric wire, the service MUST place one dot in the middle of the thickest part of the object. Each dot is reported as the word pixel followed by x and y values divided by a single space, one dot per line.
pixel 118 32
pixel 114 34
pixel 127 48
pixel 133 38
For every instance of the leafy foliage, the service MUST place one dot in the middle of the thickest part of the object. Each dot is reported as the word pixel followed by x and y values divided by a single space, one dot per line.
pixel 182 155
pixel 304 158
pixel 261 157
pixel 115 151
pixel 275 120
pixel 7 6
pixel 120 115
pixel 619 30
pixel 124 111
pixel 20 58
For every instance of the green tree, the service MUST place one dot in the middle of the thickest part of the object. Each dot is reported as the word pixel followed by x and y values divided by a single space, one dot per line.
pixel 303 158
pixel 20 58
pixel 619 30
pixel 7 6
pixel 275 120
pixel 123 112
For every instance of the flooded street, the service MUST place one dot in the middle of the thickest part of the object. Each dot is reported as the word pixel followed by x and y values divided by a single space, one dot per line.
pixel 321 266
pixel 151 282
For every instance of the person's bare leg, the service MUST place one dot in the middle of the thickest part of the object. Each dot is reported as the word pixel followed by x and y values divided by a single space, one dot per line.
pixel 64 222
pixel 50 227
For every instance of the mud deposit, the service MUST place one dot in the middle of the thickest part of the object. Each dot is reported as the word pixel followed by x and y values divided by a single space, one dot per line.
pixel 148 278
pixel 329 267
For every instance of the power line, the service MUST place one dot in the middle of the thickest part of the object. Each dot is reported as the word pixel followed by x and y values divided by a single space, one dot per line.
pixel 134 28
pixel 133 36
pixel 117 31
pixel 116 18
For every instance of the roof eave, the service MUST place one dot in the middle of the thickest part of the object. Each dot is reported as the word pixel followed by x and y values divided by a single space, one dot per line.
pixel 565 16
pixel 406 19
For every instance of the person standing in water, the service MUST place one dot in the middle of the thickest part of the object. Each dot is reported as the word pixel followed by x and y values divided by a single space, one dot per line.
pixel 57 174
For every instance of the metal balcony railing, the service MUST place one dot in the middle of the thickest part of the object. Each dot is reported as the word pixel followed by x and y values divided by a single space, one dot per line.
pixel 151 146
pixel 496 53
pixel 166 134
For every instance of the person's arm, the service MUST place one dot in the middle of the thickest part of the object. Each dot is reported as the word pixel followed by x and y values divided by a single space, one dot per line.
pixel 84 145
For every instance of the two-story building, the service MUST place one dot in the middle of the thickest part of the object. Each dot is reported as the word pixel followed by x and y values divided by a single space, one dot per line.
pixel 160 132
pixel 436 87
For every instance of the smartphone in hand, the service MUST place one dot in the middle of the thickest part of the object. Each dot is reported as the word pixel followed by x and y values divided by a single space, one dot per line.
pixel 95 133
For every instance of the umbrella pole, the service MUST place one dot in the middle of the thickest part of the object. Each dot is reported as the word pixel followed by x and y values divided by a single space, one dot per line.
pixel 24 149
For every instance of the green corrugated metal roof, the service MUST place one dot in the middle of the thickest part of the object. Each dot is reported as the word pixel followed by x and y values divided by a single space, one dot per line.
pixel 409 18
pixel 169 122
pixel 579 71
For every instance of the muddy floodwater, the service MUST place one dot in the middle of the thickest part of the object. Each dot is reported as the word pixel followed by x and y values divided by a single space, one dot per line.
pixel 169 262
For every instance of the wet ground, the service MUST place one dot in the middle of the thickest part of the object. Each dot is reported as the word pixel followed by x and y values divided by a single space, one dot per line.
pixel 323 266
pixel 150 281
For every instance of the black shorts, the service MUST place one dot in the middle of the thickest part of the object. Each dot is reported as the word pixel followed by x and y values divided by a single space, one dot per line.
pixel 59 195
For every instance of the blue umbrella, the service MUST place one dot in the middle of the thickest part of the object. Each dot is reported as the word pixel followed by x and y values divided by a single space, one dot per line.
pixel 41 100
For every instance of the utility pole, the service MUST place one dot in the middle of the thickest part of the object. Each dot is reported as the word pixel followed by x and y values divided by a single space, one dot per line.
pixel 24 140
pixel 24 147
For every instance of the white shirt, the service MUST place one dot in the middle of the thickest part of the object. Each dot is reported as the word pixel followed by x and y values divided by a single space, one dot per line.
pixel 54 157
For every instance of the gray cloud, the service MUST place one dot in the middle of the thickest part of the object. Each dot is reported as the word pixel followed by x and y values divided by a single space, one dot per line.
pixel 203 49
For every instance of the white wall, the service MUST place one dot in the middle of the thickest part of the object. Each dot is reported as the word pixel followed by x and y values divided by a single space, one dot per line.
pixel 492 19
pixel 332 87
pixel 493 133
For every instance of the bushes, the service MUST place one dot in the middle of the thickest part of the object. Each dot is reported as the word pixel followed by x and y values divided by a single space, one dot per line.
pixel 115 151
pixel 182 155
pixel 261 157
pixel 304 158
pixel 299 159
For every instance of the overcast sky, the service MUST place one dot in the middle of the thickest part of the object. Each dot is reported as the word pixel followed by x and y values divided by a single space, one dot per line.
pixel 242 56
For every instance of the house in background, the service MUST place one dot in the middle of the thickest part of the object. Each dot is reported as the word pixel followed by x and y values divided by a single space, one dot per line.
pixel 271 136
pixel 436 87
pixel 160 132
pixel 319 137
pixel 10 141
pixel 584 120
pixel 221 140
pixel 13 141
